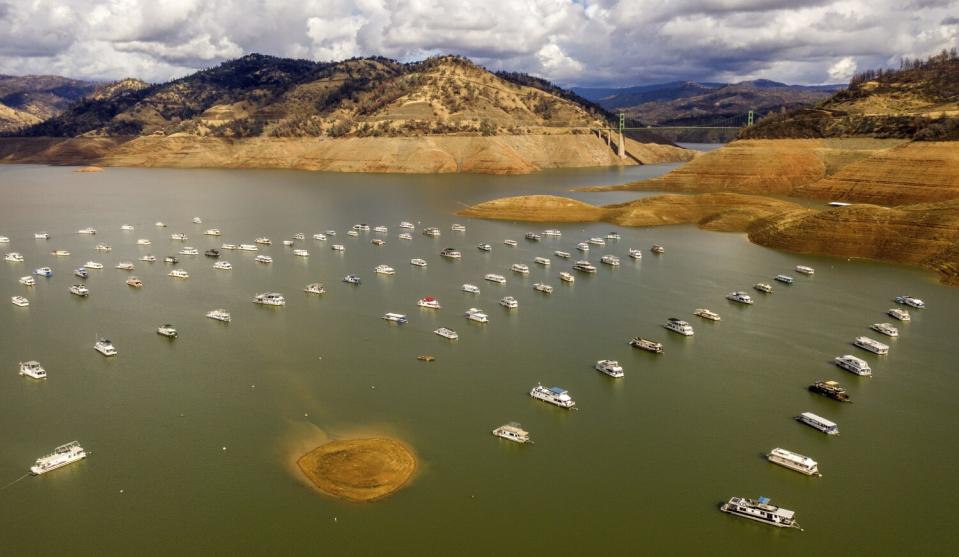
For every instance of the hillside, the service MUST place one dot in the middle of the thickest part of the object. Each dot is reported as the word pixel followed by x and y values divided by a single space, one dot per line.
pixel 444 114
pixel 264 96
pixel 919 101
pixel 28 100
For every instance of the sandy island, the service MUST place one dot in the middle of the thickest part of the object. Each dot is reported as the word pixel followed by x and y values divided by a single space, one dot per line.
pixel 359 469
pixel 89 169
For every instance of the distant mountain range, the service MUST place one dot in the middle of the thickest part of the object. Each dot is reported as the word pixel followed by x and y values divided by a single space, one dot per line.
pixel 691 103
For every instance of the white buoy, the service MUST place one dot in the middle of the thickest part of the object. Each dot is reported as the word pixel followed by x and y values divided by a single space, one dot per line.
pixel 224 448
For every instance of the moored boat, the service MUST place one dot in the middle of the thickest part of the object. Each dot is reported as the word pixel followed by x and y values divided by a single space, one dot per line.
pixel 105 347
pixel 872 345
pixel 707 314
pixel 223 266
pixel 60 457
pixel 269 299
pixel 511 243
pixel 562 254
pixel 447 333
pixel 384 270
pixel 739 296
pixel 567 277
pixel 219 315
pixel 19 301
pixel 33 369
pixel 900 314
pixel 785 279
pixel 179 273
pixel 911 302
pixel 351 279
pixel 853 364
pixel 80 290
pixel 470 288
pixel 509 302
pixel 806 270
pixel 761 511
pixel 495 278
pixel 134 282
pixel 584 267
pixel 512 432
pixel 885 328
pixel 543 261
pixel 520 268
pixel 830 389
pixel 266 259
pixel 417 262
pixel 429 302
pixel 167 330
pixel 542 287
pixel 451 253
pixel 647 345
pixel 818 422
pixel 398 318
pixel 315 288
pixel 794 461
pixel 610 368
pixel 553 395
pixel 657 249
pixel 611 260
pixel 677 325
pixel 475 314
pixel 764 287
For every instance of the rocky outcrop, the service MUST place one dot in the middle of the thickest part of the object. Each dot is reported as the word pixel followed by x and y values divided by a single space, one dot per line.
pixel 507 154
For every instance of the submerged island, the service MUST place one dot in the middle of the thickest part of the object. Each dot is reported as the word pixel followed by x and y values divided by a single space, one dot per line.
pixel 359 469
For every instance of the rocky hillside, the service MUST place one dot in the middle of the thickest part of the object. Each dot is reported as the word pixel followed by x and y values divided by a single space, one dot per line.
pixel 919 101
pixel 264 96
pixel 27 100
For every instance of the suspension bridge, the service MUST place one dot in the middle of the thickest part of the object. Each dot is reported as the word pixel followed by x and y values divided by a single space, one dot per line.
pixel 727 123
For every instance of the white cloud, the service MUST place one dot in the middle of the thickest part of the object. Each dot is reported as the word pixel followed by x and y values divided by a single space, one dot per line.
pixel 843 69
pixel 571 41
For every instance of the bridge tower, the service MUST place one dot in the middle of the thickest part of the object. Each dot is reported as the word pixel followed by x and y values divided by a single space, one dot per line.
pixel 622 143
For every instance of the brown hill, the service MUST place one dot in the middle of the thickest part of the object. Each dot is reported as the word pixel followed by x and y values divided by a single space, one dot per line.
pixel 444 114
pixel 264 96
pixel 28 100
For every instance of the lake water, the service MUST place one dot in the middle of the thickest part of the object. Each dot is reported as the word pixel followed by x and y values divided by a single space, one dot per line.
pixel 641 467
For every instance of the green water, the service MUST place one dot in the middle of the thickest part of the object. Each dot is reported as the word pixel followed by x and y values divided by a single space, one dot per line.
pixel 641 467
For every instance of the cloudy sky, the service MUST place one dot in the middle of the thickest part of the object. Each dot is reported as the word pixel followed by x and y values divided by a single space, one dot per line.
pixel 572 42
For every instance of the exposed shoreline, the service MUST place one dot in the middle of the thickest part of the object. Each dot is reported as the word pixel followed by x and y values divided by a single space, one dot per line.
pixel 501 154
pixel 359 470
pixel 924 235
